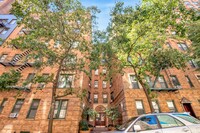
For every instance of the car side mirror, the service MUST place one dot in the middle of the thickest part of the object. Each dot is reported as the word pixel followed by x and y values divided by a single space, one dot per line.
pixel 137 127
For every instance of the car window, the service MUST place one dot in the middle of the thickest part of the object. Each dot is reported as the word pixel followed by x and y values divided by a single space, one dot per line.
pixel 188 118
pixel 167 121
pixel 146 123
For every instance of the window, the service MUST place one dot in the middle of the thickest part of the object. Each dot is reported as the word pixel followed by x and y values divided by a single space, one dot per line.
pixel 149 82
pixel 95 98
pixel 193 64
pixel 104 84
pixel 3 20
pixel 96 72
pixel 189 81
pixel 56 44
pixel 168 45
pixel 30 77
pixel 162 82
pixel 104 71
pixel 139 107
pixel 103 61
pixel 198 77
pixel 42 84
pixel 89 96
pixel 4 31
pixel 167 121
pixel 75 44
pixel 13 21
pixel 16 58
pixel 16 108
pixel 175 81
pixel 33 109
pixel 112 96
pixel 146 123
pixel 3 103
pixel 134 82
pixel 60 109
pixel 105 98
pixel 171 106
pixel 65 81
pixel 95 84
pixel 156 106
pixel 3 57
pixel 71 60
pixel 183 46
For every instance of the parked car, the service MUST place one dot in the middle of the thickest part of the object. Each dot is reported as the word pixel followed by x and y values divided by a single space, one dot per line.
pixel 160 123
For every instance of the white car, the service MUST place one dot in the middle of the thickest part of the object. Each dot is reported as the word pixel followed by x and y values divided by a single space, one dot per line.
pixel 160 123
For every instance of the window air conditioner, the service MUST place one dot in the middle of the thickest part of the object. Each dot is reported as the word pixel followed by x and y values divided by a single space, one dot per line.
pixel 13 115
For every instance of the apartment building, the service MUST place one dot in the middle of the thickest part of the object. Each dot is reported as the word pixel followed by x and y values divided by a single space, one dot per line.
pixel 25 109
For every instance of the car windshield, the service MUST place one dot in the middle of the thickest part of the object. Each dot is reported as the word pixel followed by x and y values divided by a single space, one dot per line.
pixel 188 118
pixel 126 124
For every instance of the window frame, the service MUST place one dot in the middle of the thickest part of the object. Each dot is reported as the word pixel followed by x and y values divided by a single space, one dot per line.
pixel 175 80
pixel 4 31
pixel 104 84
pixel 156 101
pixel 6 55
pixel 164 82
pixel 33 108
pixel 59 108
pixel 67 83
pixel 105 100
pixel 14 107
pixel 143 109
pixel 97 99
pixel 189 81
pixel 175 109
pixel 96 84
pixel 134 82
pixel 96 72
pixel 182 46
pixel 3 103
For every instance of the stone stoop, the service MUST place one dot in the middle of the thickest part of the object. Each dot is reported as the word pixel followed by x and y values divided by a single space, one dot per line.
pixel 99 129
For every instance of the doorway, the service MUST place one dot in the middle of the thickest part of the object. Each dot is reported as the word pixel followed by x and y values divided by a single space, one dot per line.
pixel 188 108
pixel 100 119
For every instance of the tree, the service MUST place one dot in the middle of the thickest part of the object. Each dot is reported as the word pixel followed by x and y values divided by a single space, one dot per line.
pixel 57 31
pixel 194 36
pixel 137 37
pixel 9 79
pixel 113 114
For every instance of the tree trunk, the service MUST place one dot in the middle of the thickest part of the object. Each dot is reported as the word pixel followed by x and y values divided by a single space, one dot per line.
pixel 148 98
pixel 53 99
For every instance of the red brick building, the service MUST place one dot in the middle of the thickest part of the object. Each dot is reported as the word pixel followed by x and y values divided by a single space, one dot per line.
pixel 27 110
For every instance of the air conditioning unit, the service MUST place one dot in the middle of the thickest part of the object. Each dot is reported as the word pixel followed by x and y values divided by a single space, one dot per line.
pixel 13 115
pixel 178 87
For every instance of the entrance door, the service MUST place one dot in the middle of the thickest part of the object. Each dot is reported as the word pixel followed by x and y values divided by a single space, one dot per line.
pixel 188 108
pixel 100 119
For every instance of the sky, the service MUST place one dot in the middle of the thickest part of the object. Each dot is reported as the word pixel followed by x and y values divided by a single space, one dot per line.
pixel 105 6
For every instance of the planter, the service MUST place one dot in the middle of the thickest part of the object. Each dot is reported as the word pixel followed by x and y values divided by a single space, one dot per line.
pixel 88 131
pixel 90 128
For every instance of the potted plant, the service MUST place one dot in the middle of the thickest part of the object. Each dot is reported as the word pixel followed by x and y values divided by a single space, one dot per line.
pixel 112 114
pixel 84 126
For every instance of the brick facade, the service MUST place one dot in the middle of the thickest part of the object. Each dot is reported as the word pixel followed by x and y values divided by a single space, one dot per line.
pixel 124 96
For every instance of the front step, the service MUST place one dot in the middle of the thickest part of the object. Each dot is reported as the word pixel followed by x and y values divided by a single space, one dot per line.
pixel 99 129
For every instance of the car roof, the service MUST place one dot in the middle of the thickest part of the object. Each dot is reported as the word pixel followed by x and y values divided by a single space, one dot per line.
pixel 163 113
